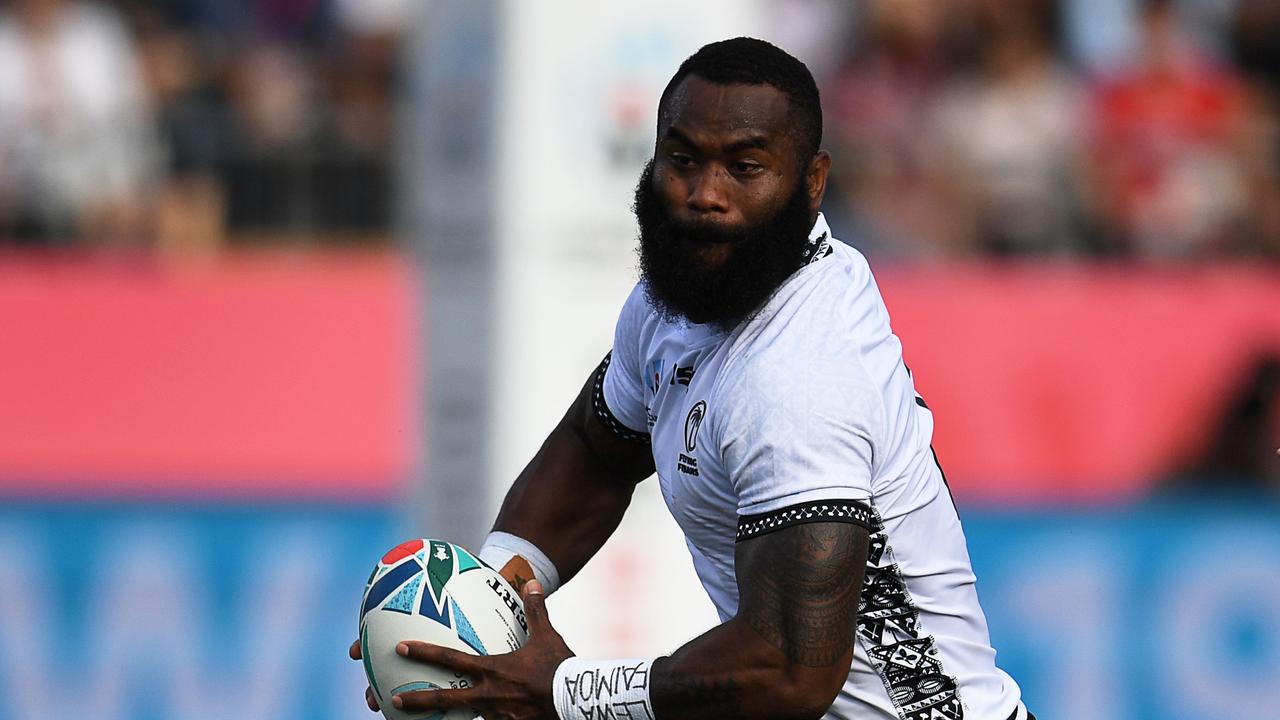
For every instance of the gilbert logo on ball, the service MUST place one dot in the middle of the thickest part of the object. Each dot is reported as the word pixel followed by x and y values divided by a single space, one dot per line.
pixel 439 593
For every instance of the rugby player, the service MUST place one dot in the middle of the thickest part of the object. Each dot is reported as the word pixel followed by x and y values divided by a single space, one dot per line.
pixel 754 370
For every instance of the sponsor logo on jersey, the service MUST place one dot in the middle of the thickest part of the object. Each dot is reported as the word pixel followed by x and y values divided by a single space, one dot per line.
pixel 682 376
pixel 655 376
pixel 817 249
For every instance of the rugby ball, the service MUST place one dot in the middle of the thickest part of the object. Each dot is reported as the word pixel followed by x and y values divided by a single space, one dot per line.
pixel 436 592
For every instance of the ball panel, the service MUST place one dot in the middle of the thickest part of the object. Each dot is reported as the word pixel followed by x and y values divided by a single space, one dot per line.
pixel 402 551
pixel 388 583
pixel 467 633
pixel 389 672
pixel 439 566
pixel 402 601
pixel 414 687
pixel 368 663
pixel 465 560
pixel 493 608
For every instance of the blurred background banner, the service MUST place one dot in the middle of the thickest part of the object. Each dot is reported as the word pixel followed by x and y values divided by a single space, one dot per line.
pixel 285 282
pixel 144 611
pixel 1162 609
pixel 265 374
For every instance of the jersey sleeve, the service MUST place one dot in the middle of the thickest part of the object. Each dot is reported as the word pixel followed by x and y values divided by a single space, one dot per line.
pixel 797 438
pixel 618 393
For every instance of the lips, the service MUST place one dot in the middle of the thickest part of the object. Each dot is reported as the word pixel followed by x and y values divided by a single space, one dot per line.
pixel 706 233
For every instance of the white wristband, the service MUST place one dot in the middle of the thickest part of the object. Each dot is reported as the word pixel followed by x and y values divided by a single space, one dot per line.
pixel 589 689
pixel 499 547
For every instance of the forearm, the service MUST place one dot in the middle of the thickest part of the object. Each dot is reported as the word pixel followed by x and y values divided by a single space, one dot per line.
pixel 571 496
pixel 728 672
pixel 785 654
pixel 566 502
pixel 733 672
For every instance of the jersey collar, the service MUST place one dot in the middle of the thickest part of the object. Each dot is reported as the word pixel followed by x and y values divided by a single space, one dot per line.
pixel 819 245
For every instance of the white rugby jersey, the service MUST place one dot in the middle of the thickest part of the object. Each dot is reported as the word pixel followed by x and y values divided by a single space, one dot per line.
pixel 805 413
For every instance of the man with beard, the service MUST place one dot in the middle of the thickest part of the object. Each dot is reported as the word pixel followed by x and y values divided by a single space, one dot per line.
pixel 753 368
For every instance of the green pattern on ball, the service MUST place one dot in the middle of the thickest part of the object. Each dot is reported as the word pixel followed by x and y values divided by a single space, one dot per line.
pixel 439 568
pixel 368 665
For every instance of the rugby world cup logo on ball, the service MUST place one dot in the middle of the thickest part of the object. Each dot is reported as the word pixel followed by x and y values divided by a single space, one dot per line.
pixel 436 592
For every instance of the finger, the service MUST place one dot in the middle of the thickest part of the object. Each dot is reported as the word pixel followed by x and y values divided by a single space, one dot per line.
pixel 354 650
pixel 369 698
pixel 535 607
pixel 427 700
pixel 437 655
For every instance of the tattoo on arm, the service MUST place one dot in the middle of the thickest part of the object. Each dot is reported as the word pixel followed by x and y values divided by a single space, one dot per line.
pixel 799 589
pixel 683 696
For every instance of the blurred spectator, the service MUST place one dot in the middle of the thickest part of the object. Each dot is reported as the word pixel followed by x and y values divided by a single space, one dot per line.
pixel 193 122
pixel 1255 41
pixel 276 126
pixel 813 30
pixel 1170 148
pixel 78 150
pixel 297 160
pixel 957 128
pixel 1012 137
pixel 881 111
pixel 242 121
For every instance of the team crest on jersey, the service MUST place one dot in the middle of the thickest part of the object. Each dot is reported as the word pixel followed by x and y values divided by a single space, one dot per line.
pixel 692 423
pixel 687 463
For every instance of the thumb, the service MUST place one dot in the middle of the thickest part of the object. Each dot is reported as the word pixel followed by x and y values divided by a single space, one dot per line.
pixel 535 608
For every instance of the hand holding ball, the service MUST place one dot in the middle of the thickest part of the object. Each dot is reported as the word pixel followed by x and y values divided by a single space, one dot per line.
pixel 438 593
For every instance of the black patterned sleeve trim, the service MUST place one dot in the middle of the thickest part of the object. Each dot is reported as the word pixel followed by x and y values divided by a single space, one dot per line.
pixel 848 511
pixel 606 415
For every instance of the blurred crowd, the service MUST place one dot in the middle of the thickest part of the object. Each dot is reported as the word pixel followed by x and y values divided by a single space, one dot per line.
pixel 195 123
pixel 1133 129
pixel 1139 129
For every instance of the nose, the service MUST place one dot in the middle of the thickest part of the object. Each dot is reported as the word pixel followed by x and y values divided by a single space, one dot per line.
pixel 707 192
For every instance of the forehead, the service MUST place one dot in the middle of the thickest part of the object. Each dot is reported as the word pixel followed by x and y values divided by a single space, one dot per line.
pixel 701 108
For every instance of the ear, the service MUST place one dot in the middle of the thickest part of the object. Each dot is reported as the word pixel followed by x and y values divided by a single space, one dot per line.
pixel 816 179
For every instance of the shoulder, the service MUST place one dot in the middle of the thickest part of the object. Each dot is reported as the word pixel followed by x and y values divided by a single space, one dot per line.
pixel 811 321
pixel 635 315
pixel 637 311
pixel 805 350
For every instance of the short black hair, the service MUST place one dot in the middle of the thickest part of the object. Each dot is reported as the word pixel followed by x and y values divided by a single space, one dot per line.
pixel 755 62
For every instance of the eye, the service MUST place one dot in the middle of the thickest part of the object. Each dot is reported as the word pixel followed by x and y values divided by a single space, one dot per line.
pixel 747 167
pixel 680 159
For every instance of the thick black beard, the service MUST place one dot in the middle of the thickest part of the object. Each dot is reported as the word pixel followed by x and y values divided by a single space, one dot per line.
pixel 762 257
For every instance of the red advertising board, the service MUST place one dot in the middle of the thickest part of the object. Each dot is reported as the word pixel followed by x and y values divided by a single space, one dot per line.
pixel 262 374
pixel 278 374
pixel 1070 382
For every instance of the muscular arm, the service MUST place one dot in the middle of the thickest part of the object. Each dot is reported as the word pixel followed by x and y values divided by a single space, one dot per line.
pixel 787 652
pixel 571 496
pixel 785 655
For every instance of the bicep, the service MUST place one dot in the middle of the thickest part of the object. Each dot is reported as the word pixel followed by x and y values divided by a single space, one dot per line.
pixel 799 589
